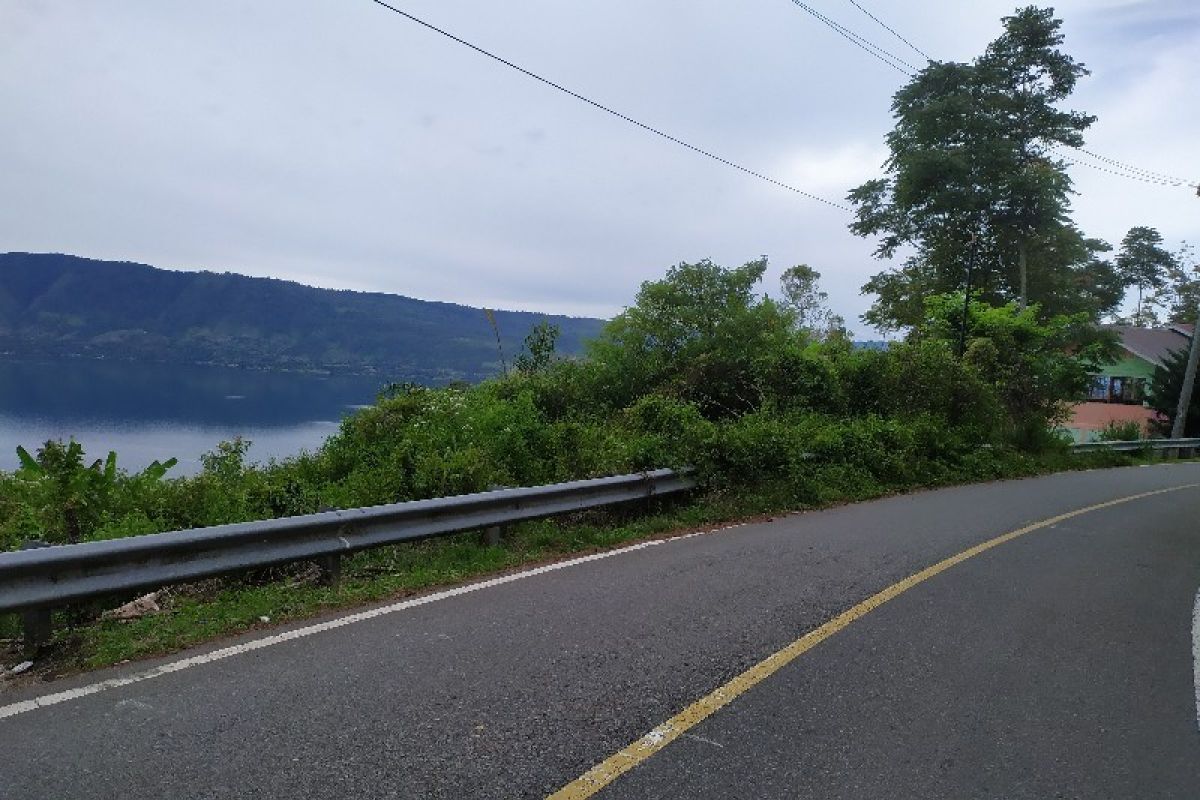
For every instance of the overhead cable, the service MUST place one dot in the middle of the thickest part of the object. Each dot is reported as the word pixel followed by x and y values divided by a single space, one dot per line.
pixel 892 60
pixel 1169 180
pixel 892 31
pixel 1122 170
pixel 608 110
pixel 1135 177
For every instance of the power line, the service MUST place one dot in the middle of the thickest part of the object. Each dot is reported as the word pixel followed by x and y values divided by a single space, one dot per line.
pixel 1170 180
pixel 607 110
pixel 891 59
pixel 890 30
pixel 1122 170
pixel 1144 179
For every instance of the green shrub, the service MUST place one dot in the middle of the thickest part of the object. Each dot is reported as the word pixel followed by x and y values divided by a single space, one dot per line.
pixel 700 371
pixel 1127 431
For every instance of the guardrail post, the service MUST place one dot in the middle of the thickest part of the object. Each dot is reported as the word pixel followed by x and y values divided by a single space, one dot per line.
pixel 35 622
pixel 331 569
pixel 330 566
pixel 494 536
pixel 38 627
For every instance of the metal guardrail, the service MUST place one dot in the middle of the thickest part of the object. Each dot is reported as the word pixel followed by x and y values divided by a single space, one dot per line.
pixel 38 579
pixel 1140 444
pixel 45 577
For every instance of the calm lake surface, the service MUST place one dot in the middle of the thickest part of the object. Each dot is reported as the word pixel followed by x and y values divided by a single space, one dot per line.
pixel 157 411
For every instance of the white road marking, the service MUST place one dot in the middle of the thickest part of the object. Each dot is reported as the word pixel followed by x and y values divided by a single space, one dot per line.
pixel 702 739
pixel 1196 654
pixel 55 698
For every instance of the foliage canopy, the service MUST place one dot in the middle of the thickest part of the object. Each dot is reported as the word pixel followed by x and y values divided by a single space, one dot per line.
pixel 1145 264
pixel 1164 390
pixel 972 176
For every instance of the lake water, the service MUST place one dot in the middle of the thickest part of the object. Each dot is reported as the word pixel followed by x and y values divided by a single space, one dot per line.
pixel 155 411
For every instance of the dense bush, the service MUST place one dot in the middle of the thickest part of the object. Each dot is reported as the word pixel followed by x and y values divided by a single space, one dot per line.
pixel 700 371
pixel 1165 387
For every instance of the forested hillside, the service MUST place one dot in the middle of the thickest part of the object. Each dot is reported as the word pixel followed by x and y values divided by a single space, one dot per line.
pixel 60 305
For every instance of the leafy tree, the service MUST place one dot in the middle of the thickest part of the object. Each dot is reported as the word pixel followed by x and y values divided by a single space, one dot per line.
pixel 1165 386
pixel 539 348
pixel 1182 290
pixel 971 175
pixel 1143 262
pixel 227 461
pixel 808 304
pixel 1083 280
pixel 696 335
pixel 1040 366
pixel 1026 75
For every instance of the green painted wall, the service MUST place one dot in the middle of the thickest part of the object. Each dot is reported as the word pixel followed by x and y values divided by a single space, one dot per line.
pixel 1129 367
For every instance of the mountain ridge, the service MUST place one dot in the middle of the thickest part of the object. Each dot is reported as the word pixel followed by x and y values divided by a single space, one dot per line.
pixel 56 305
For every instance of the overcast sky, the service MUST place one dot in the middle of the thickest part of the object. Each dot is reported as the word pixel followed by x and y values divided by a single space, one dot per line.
pixel 335 143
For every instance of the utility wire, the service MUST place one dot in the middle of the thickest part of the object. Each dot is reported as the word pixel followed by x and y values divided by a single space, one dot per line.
pixel 890 30
pixel 1144 179
pixel 608 110
pixel 1122 170
pixel 892 60
pixel 1169 179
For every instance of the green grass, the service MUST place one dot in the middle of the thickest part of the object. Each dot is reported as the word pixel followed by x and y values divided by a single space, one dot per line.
pixel 219 608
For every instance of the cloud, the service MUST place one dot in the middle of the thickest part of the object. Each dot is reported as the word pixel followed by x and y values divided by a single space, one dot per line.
pixel 344 146
pixel 832 172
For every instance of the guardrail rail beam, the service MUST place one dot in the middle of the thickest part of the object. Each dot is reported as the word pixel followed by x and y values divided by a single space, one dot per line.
pixel 40 577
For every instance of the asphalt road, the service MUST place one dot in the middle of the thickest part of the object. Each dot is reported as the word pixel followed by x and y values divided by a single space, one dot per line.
pixel 1058 664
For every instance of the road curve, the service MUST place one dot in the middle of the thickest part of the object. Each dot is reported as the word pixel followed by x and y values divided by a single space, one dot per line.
pixel 1055 664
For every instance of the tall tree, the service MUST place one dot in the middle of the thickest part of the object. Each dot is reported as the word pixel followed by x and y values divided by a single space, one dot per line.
pixel 1082 280
pixel 1144 263
pixel 1185 284
pixel 971 171
pixel 802 296
pixel 1182 290
pixel 539 348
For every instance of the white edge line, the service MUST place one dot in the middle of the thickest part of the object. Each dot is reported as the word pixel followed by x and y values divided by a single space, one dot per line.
pixel 1196 654
pixel 55 698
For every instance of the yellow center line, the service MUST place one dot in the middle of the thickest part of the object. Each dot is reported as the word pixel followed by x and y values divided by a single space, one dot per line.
pixel 616 765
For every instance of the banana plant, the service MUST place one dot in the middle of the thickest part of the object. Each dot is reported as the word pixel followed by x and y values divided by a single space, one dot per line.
pixel 76 497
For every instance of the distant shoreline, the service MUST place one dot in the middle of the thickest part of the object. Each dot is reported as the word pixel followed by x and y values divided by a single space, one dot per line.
pixel 332 371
